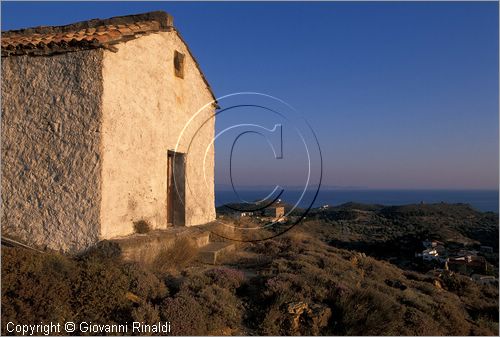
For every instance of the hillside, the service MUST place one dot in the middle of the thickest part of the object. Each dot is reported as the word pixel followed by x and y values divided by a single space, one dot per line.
pixel 398 231
pixel 302 282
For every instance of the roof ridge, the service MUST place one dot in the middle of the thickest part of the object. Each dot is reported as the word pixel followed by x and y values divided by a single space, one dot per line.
pixel 90 34
pixel 165 20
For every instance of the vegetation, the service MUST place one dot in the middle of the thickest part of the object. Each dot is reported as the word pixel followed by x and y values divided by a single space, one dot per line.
pixel 396 232
pixel 182 253
pixel 142 227
pixel 303 282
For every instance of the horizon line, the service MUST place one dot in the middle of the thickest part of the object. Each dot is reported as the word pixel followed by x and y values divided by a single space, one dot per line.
pixel 341 188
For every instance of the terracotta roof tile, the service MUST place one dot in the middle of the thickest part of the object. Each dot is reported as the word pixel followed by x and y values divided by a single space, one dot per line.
pixel 126 31
pixel 83 35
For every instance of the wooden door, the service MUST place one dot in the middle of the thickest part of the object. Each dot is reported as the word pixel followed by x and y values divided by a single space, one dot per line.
pixel 176 168
pixel 170 188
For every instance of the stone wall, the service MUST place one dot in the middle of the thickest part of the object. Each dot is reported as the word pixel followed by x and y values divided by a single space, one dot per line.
pixel 145 109
pixel 50 138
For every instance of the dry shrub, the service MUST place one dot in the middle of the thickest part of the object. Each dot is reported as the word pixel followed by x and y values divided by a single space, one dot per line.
pixel 288 287
pixel 93 287
pixel 273 321
pixel 226 277
pixel 142 227
pixel 51 287
pixel 146 312
pixel 35 287
pixel 418 323
pixel 206 303
pixel 293 278
pixel 453 319
pixel 297 236
pixel 426 288
pixel 104 250
pixel 455 283
pixel 485 327
pixel 144 283
pixel 181 253
pixel 268 247
pixel 186 315
pixel 99 290
pixel 368 312
pixel 414 276
pixel 223 309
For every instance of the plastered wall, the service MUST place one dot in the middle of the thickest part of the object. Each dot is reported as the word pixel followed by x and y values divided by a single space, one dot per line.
pixel 145 110
pixel 50 147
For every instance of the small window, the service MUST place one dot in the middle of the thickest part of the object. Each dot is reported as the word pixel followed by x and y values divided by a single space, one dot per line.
pixel 179 64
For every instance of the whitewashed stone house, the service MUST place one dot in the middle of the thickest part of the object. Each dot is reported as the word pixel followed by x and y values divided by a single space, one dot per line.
pixel 91 117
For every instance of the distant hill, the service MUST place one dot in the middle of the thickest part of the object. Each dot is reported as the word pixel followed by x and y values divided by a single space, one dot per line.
pixel 249 207
pixel 373 223
pixel 396 232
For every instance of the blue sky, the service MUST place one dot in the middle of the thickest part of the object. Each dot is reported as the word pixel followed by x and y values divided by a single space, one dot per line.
pixel 400 95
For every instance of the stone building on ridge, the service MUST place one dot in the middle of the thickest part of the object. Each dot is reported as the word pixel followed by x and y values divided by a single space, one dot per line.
pixel 105 123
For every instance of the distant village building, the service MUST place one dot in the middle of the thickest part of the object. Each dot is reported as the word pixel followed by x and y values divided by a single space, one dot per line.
pixel 485 279
pixel 467 264
pixel 239 215
pixel 486 249
pixel 430 254
pixel 91 116
pixel 275 211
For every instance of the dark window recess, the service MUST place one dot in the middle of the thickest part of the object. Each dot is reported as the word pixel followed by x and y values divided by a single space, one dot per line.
pixel 179 64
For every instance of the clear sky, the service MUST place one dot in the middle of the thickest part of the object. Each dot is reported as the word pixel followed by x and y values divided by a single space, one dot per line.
pixel 400 95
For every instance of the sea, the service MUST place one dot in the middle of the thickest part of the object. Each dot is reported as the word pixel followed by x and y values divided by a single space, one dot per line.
pixel 482 200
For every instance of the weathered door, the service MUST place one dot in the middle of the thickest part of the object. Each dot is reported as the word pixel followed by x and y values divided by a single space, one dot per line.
pixel 176 170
